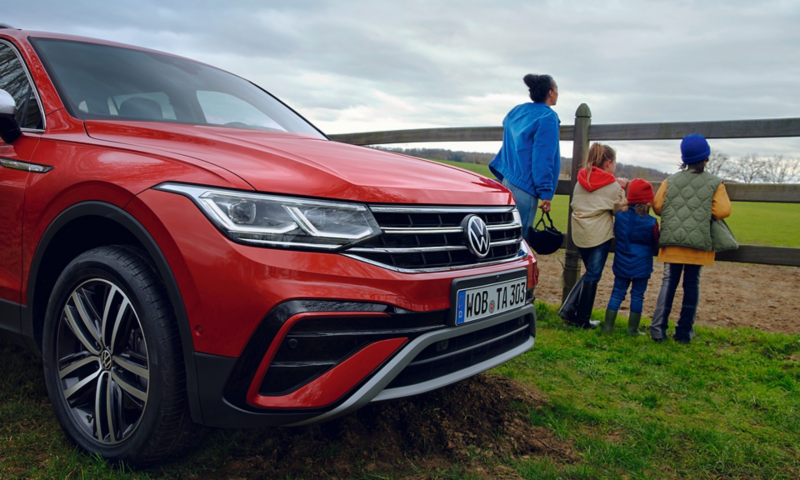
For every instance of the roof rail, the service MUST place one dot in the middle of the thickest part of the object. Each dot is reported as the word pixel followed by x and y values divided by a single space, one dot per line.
pixel 5 25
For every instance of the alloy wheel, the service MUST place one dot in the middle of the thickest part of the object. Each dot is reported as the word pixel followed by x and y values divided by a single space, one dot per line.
pixel 103 365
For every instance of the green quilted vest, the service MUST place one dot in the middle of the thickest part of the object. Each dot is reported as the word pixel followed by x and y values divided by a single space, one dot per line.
pixel 686 215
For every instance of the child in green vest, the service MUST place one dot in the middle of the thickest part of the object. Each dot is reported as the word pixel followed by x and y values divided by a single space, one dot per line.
pixel 686 201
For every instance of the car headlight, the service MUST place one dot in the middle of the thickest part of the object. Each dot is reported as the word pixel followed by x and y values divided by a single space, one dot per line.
pixel 278 221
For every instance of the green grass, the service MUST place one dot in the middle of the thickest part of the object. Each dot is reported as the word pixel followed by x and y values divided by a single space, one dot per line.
pixel 766 223
pixel 752 223
pixel 726 406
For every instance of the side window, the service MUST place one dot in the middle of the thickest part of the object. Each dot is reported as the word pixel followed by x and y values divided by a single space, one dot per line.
pixel 224 109
pixel 14 81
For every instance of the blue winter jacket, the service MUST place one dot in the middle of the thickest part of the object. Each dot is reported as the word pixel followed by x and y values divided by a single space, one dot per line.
pixel 530 157
pixel 637 242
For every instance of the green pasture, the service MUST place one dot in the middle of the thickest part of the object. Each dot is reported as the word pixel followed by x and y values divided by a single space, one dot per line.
pixel 774 224
pixel 725 406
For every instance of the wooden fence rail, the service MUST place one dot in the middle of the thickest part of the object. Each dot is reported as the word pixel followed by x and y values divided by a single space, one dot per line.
pixel 782 127
pixel 583 132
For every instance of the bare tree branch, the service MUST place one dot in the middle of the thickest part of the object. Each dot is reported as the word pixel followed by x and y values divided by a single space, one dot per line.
pixel 747 169
pixel 780 169
pixel 717 163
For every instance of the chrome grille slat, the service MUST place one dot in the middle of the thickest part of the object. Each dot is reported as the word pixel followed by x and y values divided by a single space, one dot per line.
pixel 494 228
pixel 431 238
pixel 410 250
pixel 414 231
pixel 443 209
pixel 506 242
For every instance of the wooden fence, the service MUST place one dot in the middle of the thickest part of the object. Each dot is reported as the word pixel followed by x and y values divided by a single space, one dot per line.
pixel 582 132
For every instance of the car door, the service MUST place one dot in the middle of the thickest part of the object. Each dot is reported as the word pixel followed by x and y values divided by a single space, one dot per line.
pixel 14 172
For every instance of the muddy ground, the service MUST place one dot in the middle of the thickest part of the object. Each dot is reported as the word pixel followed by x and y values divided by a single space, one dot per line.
pixel 473 426
pixel 766 297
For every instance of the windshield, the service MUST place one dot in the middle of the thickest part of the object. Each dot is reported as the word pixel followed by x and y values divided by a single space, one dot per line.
pixel 104 82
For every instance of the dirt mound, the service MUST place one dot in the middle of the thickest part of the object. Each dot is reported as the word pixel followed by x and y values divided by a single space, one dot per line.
pixel 468 424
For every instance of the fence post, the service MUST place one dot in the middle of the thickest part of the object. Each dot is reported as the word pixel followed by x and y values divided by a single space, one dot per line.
pixel 580 150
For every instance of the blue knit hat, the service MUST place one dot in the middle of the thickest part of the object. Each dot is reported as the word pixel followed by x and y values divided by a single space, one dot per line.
pixel 694 148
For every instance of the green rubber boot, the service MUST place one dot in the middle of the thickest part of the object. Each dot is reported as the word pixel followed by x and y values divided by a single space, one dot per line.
pixel 633 324
pixel 608 324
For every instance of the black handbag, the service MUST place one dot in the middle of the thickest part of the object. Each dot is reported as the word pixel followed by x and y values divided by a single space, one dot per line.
pixel 547 240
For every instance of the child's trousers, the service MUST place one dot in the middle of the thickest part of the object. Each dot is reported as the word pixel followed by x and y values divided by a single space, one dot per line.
pixel 684 329
pixel 621 285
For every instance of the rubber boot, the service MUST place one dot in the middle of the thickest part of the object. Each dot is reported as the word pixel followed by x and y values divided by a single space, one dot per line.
pixel 569 309
pixel 608 324
pixel 633 324
pixel 585 304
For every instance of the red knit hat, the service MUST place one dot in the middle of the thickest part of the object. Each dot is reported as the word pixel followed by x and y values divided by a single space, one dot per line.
pixel 640 191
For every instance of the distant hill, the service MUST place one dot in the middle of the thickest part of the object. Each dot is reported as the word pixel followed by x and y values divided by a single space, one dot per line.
pixel 623 170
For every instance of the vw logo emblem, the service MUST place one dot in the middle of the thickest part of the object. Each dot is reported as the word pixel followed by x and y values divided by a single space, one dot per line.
pixel 477 235
pixel 105 357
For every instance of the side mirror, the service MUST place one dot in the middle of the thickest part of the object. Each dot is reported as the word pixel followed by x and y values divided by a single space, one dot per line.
pixel 9 128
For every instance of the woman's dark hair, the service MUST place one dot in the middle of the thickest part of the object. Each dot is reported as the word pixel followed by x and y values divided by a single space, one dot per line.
pixel 698 167
pixel 538 86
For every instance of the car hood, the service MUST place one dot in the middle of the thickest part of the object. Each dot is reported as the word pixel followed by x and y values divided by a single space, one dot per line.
pixel 304 165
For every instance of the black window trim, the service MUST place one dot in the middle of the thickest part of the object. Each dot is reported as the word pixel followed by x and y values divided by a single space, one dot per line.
pixel 14 48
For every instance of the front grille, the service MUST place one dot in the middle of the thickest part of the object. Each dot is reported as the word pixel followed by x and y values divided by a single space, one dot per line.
pixel 431 238
pixel 458 353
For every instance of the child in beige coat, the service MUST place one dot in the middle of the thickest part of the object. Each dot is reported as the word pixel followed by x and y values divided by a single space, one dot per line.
pixel 598 195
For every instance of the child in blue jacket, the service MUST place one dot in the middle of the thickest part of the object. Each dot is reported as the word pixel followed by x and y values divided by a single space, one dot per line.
pixel 636 232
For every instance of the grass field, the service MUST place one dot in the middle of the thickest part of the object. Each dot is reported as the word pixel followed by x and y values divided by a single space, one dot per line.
pixel 774 224
pixel 726 406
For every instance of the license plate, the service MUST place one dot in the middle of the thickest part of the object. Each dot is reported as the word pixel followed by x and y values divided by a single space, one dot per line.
pixel 481 301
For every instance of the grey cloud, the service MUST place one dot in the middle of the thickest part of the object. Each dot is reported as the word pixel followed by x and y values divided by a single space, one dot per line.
pixel 631 61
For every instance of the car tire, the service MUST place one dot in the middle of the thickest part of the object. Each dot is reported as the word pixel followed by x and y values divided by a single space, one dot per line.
pixel 113 362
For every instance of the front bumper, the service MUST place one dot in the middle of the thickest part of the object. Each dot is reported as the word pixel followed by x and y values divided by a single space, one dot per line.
pixel 428 356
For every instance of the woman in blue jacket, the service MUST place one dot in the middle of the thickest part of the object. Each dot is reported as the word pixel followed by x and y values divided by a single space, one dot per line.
pixel 529 160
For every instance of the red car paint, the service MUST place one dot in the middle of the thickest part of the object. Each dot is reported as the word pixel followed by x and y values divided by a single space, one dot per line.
pixel 227 288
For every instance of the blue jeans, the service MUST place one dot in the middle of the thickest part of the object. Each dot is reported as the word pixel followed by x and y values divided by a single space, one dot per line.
pixel 526 204
pixel 621 285
pixel 594 259
pixel 684 330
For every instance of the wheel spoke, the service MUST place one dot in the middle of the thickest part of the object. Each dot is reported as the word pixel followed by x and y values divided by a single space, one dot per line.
pixel 128 388
pixel 117 321
pixel 106 309
pixel 78 331
pixel 131 367
pixel 84 314
pixel 99 400
pixel 80 385
pixel 110 410
pixel 76 365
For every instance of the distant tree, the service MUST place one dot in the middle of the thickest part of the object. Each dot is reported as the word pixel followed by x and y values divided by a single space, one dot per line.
pixel 780 169
pixel 747 169
pixel 717 163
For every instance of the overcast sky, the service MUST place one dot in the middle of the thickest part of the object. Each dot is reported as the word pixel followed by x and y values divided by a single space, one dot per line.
pixel 366 65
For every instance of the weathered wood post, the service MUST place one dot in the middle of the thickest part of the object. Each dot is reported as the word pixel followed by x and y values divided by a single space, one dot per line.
pixel 580 151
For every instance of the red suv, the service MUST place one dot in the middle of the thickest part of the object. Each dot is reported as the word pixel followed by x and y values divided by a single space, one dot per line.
pixel 183 249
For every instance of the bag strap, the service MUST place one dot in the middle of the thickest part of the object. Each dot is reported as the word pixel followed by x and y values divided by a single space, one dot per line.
pixel 541 221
